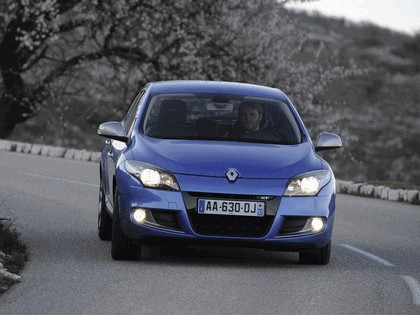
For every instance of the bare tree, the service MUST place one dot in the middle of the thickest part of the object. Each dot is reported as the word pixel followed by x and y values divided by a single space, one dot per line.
pixel 44 43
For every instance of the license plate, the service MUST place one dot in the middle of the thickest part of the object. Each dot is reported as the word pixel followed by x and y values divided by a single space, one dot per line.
pixel 231 207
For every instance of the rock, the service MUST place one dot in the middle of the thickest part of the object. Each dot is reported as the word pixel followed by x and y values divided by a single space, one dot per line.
pixel 45 150
pixel 96 156
pixel 5 145
pixel 411 196
pixel 69 154
pixel 354 189
pixel 9 275
pixel 57 152
pixel 394 194
pixel 367 190
pixel 377 191
pixel 385 192
pixel 36 149
pixel 342 186
pixel 23 147
pixel 78 154
pixel 86 155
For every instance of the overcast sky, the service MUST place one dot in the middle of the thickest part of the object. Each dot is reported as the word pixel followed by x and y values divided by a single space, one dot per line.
pixel 399 15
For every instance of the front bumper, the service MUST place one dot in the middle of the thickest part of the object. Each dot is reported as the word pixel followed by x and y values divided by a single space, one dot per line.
pixel 177 220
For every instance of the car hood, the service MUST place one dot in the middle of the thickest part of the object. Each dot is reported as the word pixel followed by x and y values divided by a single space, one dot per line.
pixel 214 158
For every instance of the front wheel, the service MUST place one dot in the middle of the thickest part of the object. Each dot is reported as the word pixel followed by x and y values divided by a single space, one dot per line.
pixel 104 219
pixel 122 247
pixel 322 257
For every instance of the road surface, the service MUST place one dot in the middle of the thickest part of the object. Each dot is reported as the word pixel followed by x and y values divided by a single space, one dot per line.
pixel 374 268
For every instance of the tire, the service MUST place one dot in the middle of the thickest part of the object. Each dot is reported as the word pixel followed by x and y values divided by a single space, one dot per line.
pixel 122 247
pixel 104 219
pixel 322 257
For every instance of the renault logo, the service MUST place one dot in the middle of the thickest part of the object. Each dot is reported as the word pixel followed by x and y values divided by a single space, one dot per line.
pixel 232 174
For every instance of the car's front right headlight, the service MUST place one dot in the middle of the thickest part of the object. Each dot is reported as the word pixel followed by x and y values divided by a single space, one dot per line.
pixel 151 176
pixel 308 184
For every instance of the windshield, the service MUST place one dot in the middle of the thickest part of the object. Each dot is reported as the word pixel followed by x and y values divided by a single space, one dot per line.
pixel 220 117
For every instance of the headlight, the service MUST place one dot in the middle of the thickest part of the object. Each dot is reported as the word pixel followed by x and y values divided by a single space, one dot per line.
pixel 151 176
pixel 308 184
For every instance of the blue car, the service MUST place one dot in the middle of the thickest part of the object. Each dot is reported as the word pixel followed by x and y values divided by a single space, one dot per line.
pixel 217 163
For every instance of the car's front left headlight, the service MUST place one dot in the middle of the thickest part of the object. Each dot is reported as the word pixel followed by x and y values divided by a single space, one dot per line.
pixel 151 176
pixel 308 184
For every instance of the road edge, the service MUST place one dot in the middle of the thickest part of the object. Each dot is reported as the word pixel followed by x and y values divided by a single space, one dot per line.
pixel 343 187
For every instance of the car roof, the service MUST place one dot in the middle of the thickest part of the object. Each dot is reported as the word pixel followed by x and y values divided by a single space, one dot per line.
pixel 188 86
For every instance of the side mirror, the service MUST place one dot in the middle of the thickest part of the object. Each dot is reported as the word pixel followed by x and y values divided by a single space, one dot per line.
pixel 113 130
pixel 328 141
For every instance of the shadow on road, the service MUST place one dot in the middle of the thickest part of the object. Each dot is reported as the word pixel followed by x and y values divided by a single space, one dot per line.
pixel 217 256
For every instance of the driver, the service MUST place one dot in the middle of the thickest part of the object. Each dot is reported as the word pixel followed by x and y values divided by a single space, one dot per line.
pixel 249 119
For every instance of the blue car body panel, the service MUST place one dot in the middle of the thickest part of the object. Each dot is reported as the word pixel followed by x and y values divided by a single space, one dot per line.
pixel 199 166
pixel 213 158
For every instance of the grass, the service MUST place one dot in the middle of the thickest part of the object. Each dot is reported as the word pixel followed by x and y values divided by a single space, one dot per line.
pixel 14 249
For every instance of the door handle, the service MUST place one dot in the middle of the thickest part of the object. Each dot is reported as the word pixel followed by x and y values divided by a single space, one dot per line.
pixel 110 154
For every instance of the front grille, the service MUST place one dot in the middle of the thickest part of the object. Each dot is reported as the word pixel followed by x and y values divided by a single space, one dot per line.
pixel 230 196
pixel 225 225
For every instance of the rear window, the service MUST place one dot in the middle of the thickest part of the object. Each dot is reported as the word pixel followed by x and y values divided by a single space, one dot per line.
pixel 220 117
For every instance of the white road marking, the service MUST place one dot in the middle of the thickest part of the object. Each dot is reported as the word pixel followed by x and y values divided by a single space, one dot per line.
pixel 414 287
pixel 61 179
pixel 369 255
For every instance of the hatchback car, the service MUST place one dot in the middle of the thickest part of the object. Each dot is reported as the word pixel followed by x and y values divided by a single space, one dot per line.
pixel 220 163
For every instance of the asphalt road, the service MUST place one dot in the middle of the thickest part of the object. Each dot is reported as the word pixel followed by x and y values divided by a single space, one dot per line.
pixel 374 268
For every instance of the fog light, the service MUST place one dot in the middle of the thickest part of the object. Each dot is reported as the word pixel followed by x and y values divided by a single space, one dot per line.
pixel 139 215
pixel 317 224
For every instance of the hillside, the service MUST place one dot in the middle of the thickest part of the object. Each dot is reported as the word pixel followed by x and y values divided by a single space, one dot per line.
pixel 380 108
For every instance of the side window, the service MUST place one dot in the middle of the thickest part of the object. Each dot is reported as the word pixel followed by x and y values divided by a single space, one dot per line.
pixel 132 113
